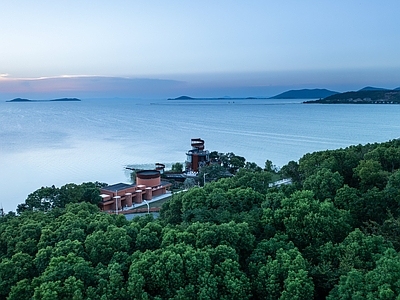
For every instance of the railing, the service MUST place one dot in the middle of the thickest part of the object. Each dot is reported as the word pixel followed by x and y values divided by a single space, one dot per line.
pixel 281 182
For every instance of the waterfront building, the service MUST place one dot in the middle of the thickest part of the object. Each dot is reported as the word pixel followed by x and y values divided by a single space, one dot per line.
pixel 122 196
pixel 197 157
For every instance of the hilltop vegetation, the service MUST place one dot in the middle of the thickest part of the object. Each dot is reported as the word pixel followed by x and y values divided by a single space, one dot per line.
pixel 332 234
pixel 363 96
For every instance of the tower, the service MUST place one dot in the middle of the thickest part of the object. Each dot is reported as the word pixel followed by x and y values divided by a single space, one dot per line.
pixel 197 157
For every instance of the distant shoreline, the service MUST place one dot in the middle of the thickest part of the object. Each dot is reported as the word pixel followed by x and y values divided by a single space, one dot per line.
pixel 217 98
pixel 50 100
pixel 376 96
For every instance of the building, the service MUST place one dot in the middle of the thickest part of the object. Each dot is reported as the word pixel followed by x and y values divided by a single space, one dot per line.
pixel 197 157
pixel 122 196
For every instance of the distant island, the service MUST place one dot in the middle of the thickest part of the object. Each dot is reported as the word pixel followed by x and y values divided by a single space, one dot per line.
pixel 291 94
pixel 305 94
pixel 216 98
pixel 28 100
pixel 182 98
pixel 367 95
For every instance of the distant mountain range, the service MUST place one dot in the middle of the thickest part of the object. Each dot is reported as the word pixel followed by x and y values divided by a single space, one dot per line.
pixel 305 94
pixel 371 88
pixel 291 94
pixel 367 94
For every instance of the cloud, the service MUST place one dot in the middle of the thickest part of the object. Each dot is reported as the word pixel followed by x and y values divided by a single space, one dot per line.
pixel 88 86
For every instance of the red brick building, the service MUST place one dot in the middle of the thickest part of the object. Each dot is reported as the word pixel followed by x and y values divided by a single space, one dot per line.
pixel 124 196
pixel 197 157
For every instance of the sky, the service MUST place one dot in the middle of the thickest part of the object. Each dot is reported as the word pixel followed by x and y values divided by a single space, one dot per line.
pixel 202 48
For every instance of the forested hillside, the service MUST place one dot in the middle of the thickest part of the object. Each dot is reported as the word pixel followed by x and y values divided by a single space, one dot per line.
pixel 333 233
pixel 363 96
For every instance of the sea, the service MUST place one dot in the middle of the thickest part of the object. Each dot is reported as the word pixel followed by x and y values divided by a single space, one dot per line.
pixel 55 143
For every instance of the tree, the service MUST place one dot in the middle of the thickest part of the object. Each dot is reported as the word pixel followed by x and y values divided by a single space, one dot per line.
pixel 284 276
pixel 115 284
pixel 348 198
pixel 194 198
pixel 236 236
pixel 256 180
pixel 235 163
pixel 68 226
pixel 214 156
pixel 376 206
pixel 42 199
pixel 212 172
pixel 390 230
pixel 387 154
pixel 291 170
pixel 149 237
pixel 70 288
pixel 19 267
pixel 270 167
pixel 324 183
pixel 171 211
pixel 359 251
pixel 69 193
pixel 232 162
pixel 181 271
pixel 189 183
pixel 251 166
pixel 309 222
pixel 392 189
pixel 101 245
pixel 47 198
pixel 298 285
pixel 378 283
pixel 177 167
pixel 22 290
pixel 371 174
pixel 66 277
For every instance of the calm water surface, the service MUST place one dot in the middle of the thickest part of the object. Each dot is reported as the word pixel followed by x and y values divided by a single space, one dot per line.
pixel 46 143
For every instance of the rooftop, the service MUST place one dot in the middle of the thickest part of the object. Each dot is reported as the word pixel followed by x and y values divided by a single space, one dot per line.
pixel 117 187
pixel 149 173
